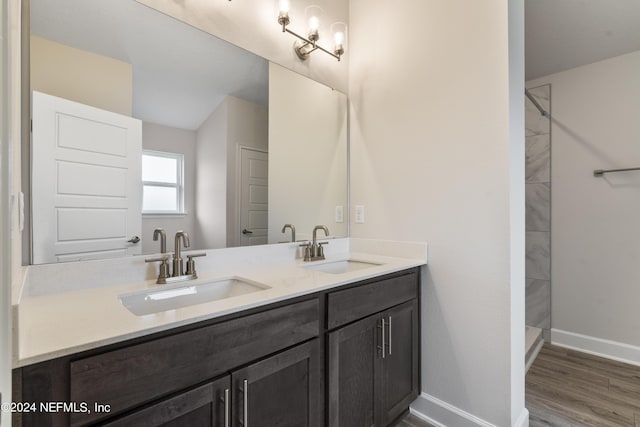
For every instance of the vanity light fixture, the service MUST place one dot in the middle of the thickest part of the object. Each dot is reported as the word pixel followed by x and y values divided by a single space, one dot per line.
pixel 304 46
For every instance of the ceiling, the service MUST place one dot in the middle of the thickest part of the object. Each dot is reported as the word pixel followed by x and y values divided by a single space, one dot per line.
pixel 180 74
pixel 563 34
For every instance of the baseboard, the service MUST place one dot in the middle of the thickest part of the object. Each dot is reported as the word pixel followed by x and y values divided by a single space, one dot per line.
pixel 443 414
pixel 532 356
pixel 523 419
pixel 597 346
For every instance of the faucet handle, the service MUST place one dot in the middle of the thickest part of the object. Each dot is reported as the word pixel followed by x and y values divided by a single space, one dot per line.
pixel 199 254
pixel 321 249
pixel 191 264
pixel 307 250
pixel 162 258
pixel 163 274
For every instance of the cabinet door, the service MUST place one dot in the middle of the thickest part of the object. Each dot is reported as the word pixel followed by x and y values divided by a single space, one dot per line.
pixel 401 381
pixel 354 371
pixel 284 390
pixel 206 405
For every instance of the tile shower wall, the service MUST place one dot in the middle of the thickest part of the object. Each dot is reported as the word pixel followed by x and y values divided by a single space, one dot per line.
pixel 538 211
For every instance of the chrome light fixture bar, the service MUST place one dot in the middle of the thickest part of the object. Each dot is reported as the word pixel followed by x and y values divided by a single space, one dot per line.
pixel 304 46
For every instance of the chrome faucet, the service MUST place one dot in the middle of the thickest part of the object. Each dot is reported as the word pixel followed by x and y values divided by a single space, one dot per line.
pixel 178 268
pixel 178 275
pixel 317 251
pixel 164 265
pixel 163 239
pixel 293 231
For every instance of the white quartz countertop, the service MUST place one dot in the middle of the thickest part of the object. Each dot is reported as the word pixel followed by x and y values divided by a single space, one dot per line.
pixel 58 324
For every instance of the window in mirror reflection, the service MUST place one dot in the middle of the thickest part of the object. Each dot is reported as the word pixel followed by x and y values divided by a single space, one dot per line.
pixel 162 183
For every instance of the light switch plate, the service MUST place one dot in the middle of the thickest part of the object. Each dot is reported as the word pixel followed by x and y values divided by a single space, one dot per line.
pixel 359 214
pixel 339 213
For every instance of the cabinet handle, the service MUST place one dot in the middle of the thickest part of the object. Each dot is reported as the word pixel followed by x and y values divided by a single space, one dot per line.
pixel 246 403
pixel 226 408
pixel 389 335
pixel 382 347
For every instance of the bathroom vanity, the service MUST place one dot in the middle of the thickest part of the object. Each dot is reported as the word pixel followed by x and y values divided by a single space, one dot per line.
pixel 258 337
pixel 344 354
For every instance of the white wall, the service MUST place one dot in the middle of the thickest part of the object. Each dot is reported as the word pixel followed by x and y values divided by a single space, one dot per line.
pixel 211 179
pixel 169 139
pixel 517 168
pixel 5 215
pixel 431 160
pixel 253 25
pixel 307 155
pixel 595 236
pixel 247 126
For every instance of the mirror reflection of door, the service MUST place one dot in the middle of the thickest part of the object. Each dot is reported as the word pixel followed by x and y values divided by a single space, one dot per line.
pixel 86 185
pixel 254 172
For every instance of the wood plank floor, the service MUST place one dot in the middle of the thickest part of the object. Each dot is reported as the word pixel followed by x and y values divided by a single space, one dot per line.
pixel 566 388
pixel 412 421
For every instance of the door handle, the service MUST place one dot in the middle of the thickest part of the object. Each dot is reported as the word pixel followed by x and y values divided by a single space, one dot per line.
pixel 382 347
pixel 390 335
pixel 245 231
pixel 227 409
pixel 134 239
pixel 245 386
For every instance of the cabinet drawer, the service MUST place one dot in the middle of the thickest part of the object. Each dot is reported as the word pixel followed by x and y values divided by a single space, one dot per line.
pixel 140 373
pixel 361 301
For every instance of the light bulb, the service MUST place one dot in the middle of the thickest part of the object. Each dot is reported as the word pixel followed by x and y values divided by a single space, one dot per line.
pixel 314 23
pixel 283 13
pixel 284 6
pixel 313 14
pixel 339 31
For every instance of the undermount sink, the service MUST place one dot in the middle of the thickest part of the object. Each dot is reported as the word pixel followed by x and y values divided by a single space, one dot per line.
pixel 170 298
pixel 342 266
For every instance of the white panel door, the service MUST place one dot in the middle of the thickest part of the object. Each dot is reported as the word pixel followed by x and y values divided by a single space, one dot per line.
pixel 254 172
pixel 86 182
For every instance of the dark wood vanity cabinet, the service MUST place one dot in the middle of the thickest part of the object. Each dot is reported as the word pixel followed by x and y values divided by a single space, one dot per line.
pixel 401 364
pixel 206 405
pixel 373 363
pixel 284 390
pixel 275 365
pixel 281 390
pixel 354 374
pixel 157 374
